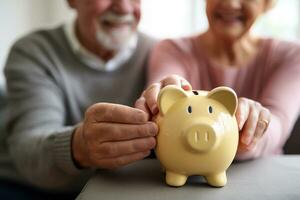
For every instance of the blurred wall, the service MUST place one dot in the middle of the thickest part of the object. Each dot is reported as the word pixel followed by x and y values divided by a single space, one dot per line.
pixel 18 17
pixel 160 18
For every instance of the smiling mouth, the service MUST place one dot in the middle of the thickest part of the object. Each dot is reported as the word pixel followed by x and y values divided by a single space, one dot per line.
pixel 115 25
pixel 230 18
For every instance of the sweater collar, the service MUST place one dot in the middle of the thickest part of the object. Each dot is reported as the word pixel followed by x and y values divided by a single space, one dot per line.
pixel 91 59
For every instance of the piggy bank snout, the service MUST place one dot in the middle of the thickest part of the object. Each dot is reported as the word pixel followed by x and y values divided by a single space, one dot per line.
pixel 201 137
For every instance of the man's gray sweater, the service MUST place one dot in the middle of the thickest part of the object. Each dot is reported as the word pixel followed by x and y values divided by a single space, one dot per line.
pixel 49 89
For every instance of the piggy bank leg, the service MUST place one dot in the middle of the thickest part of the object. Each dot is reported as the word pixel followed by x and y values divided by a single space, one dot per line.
pixel 217 180
pixel 174 179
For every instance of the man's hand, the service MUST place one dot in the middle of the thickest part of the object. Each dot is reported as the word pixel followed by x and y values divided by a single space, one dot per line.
pixel 148 100
pixel 112 136
pixel 253 120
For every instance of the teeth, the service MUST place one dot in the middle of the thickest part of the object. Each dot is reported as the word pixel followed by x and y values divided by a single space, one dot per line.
pixel 115 24
pixel 230 16
pixel 117 19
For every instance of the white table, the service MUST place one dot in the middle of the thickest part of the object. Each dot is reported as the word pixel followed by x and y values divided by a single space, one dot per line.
pixel 269 178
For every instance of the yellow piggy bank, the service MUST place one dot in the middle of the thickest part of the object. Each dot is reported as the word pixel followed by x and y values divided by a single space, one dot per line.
pixel 198 134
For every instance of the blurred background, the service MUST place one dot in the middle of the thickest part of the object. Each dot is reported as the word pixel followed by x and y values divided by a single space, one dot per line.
pixel 160 18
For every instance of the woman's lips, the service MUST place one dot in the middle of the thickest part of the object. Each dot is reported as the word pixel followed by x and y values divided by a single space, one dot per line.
pixel 229 18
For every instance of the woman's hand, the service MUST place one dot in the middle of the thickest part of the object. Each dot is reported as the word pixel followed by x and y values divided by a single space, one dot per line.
pixel 253 120
pixel 148 100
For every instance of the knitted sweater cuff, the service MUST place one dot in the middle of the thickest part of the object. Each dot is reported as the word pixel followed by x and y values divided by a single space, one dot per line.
pixel 62 151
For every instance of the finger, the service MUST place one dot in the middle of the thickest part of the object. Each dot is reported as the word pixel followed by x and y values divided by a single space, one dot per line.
pixel 103 132
pixel 113 163
pixel 262 124
pixel 171 80
pixel 241 147
pixel 250 126
pixel 242 112
pixel 106 112
pixel 142 105
pixel 151 95
pixel 176 80
pixel 246 148
pixel 121 148
pixel 185 84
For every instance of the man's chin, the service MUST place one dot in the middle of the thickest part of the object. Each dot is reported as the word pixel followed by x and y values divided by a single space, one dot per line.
pixel 115 39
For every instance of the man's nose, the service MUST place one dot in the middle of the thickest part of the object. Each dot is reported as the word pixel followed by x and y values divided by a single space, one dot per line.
pixel 123 7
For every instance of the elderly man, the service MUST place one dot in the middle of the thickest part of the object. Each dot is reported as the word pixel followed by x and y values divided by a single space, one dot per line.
pixel 69 92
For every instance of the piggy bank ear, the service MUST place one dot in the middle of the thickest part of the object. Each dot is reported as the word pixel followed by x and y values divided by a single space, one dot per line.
pixel 168 96
pixel 225 96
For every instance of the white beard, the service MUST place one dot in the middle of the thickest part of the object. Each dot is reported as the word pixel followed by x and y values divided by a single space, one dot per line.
pixel 115 38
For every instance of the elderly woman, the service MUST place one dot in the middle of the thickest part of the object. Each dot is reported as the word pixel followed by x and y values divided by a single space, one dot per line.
pixel 265 73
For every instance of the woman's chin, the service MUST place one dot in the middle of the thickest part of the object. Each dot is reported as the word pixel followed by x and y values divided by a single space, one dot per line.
pixel 230 35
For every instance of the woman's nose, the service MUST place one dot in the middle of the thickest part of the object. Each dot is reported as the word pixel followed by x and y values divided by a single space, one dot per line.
pixel 233 4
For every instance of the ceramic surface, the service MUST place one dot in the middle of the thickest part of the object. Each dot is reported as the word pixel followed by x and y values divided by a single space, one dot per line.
pixel 198 134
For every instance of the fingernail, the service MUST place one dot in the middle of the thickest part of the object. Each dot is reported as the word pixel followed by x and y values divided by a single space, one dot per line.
pixel 147 153
pixel 185 87
pixel 240 125
pixel 154 128
pixel 154 110
pixel 153 143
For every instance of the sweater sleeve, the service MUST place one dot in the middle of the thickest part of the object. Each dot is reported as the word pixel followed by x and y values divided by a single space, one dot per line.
pixel 165 59
pixel 282 97
pixel 39 141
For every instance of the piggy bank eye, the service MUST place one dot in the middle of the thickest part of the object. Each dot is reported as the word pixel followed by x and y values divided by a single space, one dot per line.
pixel 190 109
pixel 210 109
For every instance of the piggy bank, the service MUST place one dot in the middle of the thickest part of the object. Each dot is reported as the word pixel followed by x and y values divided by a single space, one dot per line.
pixel 198 134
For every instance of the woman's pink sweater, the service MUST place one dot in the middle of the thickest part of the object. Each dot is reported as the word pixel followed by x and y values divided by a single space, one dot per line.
pixel 271 78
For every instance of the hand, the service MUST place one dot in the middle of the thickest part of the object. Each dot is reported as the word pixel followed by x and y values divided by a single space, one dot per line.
pixel 253 120
pixel 112 136
pixel 148 100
